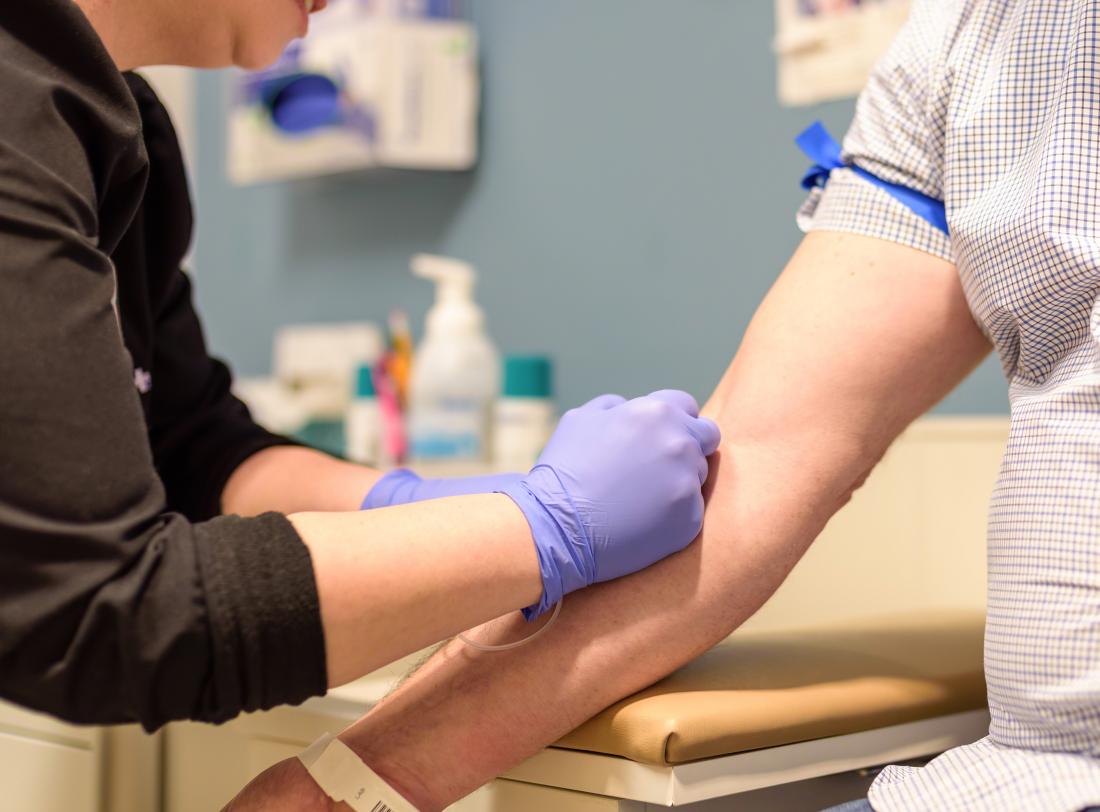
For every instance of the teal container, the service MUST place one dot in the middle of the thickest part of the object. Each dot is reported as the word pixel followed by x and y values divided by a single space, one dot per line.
pixel 364 382
pixel 528 376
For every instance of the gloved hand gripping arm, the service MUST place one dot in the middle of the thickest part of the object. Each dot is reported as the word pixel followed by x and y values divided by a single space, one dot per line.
pixel 618 488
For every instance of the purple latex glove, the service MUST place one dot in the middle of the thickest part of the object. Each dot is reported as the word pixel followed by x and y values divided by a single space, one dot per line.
pixel 402 487
pixel 619 487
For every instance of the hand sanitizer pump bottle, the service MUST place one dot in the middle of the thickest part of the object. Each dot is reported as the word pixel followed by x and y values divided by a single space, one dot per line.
pixel 456 372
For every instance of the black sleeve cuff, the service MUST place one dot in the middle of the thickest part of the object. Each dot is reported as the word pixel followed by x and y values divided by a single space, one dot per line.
pixel 265 616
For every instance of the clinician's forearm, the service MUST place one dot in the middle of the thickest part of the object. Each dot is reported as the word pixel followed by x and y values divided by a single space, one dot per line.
pixel 857 339
pixel 289 479
pixel 395 580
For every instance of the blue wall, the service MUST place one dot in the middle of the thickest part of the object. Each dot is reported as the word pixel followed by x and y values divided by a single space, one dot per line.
pixel 634 202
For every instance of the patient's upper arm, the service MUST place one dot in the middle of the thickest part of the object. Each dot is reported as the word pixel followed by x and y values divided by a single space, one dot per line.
pixel 857 337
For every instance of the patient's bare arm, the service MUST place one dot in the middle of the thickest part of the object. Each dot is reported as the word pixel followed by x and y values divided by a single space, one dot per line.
pixel 856 339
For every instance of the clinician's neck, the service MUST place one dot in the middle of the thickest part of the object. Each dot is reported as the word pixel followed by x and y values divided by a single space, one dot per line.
pixel 128 29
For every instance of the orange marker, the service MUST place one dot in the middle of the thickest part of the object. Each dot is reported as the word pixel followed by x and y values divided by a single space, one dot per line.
pixel 401 360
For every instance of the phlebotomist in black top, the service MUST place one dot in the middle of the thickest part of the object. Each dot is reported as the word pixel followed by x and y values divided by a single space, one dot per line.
pixel 161 556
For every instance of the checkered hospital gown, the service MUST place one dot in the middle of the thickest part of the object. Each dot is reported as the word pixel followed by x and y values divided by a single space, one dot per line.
pixel 994 107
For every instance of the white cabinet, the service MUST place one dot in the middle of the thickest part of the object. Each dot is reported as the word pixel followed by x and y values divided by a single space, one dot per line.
pixel 48 766
pixel 48 777
pixel 206 766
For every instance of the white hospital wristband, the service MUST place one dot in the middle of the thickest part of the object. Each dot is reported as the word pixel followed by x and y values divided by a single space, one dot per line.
pixel 343 776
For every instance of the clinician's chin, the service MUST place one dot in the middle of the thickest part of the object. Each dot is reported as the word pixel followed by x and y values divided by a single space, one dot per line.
pixel 256 56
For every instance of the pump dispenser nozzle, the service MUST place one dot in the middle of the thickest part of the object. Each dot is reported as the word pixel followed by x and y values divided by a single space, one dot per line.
pixel 455 308
pixel 454 278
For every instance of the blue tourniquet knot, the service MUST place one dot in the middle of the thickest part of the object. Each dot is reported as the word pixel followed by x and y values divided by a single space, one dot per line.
pixel 824 151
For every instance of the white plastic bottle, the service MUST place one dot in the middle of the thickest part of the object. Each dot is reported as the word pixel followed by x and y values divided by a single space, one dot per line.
pixel 363 422
pixel 525 416
pixel 456 373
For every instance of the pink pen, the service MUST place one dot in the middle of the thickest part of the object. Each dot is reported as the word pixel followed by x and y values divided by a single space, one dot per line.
pixel 393 424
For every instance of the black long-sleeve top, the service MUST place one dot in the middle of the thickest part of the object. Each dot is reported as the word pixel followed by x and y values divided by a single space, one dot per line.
pixel 123 596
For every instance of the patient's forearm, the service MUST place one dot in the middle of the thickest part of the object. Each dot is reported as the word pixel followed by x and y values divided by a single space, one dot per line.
pixel 857 339
pixel 467 716
pixel 477 714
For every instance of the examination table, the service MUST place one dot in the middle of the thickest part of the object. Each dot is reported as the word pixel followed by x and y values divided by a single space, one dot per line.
pixel 770 721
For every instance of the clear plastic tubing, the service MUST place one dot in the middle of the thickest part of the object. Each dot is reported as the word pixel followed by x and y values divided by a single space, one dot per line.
pixel 518 643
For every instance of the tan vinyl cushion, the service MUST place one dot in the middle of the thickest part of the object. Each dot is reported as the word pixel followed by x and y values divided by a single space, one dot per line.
pixel 767 689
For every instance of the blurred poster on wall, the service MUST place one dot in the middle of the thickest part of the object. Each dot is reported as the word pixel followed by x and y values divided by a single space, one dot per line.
pixel 826 48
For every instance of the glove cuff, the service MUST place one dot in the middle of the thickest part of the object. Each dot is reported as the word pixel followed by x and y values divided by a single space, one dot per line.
pixel 564 553
pixel 395 488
